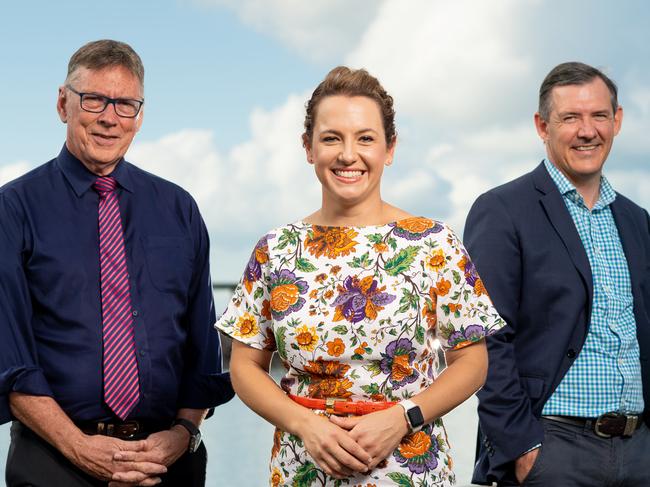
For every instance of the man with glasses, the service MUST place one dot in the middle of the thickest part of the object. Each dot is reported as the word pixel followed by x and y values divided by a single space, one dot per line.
pixel 108 357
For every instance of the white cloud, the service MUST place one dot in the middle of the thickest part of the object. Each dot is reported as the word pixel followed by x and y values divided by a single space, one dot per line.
pixel 447 61
pixel 11 171
pixel 318 31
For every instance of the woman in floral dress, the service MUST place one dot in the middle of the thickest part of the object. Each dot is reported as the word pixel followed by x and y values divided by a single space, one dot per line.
pixel 355 299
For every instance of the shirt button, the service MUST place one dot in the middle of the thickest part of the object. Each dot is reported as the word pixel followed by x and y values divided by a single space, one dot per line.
pixel 571 353
pixel 135 312
pixel 142 353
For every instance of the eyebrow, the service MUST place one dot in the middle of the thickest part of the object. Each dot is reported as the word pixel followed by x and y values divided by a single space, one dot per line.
pixel 358 132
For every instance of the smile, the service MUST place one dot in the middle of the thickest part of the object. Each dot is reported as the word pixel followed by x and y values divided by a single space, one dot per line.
pixel 585 147
pixel 348 174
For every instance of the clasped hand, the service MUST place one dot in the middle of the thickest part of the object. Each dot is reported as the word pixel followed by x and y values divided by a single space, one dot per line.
pixel 344 446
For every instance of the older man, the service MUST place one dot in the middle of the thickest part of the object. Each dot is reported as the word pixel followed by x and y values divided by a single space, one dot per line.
pixel 566 260
pixel 108 357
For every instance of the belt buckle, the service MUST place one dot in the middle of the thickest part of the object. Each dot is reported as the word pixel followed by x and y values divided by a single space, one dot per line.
pixel 128 429
pixel 329 404
pixel 631 422
pixel 598 423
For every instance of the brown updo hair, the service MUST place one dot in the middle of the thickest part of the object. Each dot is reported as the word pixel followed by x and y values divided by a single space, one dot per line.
pixel 351 82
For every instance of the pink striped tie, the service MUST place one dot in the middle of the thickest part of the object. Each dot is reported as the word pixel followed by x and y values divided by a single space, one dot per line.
pixel 121 385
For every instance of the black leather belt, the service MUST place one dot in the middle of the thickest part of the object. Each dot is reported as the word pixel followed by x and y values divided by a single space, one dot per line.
pixel 124 430
pixel 606 425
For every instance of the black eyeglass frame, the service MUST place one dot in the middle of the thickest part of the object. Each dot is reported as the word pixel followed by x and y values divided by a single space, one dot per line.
pixel 107 100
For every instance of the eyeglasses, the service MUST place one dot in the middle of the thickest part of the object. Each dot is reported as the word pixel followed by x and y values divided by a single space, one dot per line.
pixel 94 103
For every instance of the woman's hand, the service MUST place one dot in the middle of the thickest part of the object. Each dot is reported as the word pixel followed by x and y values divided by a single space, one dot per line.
pixel 378 433
pixel 333 448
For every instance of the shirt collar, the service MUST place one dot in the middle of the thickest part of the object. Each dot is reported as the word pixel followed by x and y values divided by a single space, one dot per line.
pixel 607 194
pixel 81 179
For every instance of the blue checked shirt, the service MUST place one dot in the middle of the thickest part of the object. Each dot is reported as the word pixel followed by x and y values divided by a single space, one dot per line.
pixel 606 376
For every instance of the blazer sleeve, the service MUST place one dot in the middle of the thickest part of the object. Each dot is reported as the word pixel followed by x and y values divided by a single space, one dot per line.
pixel 506 421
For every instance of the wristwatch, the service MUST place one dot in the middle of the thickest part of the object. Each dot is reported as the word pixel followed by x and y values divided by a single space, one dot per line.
pixel 413 415
pixel 195 434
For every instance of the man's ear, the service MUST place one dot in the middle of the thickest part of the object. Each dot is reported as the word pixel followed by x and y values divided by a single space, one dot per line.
pixel 61 101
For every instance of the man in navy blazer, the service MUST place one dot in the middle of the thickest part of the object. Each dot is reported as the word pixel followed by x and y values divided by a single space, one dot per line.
pixel 566 261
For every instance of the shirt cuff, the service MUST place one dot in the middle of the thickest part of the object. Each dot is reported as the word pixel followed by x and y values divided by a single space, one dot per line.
pixel 206 391
pixel 531 449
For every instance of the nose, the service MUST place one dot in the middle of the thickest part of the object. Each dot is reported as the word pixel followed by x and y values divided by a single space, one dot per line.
pixel 587 129
pixel 109 116
pixel 348 154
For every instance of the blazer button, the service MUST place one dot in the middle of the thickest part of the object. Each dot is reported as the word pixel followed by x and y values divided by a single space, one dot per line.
pixel 571 353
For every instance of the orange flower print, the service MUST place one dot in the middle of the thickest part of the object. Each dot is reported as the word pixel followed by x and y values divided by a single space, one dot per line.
pixel 320 278
pixel 266 309
pixel 453 307
pixel 361 349
pixel 331 242
pixel 416 227
pixel 380 247
pixel 401 368
pixel 313 294
pixel 276 477
pixel 429 313
pixel 479 288
pixel 335 269
pixel 246 326
pixel 336 347
pixel 415 445
pixel 306 337
pixel 328 294
pixel 436 260
pixel 442 287
pixel 328 379
pixel 282 297
pixel 277 437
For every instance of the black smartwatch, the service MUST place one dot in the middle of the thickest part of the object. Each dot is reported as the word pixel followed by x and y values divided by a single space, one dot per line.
pixel 195 434
pixel 413 415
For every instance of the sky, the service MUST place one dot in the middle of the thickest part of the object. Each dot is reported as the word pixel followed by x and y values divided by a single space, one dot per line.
pixel 226 82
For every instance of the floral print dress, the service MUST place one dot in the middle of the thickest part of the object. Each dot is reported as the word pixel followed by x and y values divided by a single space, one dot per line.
pixel 357 313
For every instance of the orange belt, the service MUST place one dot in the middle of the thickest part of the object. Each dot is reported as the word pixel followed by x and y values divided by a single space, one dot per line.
pixel 338 406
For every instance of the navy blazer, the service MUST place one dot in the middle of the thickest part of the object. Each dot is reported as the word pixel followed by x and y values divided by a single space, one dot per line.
pixel 528 252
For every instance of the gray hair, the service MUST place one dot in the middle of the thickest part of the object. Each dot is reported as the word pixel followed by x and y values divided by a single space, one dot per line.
pixel 106 53
pixel 572 73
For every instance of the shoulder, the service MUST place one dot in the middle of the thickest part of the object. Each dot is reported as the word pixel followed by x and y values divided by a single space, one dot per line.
pixel 30 179
pixel 151 182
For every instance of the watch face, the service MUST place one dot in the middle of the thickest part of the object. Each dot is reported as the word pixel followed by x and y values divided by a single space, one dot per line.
pixel 415 417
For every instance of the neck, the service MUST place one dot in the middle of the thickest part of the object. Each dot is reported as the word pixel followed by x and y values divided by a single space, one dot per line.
pixel 590 191
pixel 374 212
pixel 99 169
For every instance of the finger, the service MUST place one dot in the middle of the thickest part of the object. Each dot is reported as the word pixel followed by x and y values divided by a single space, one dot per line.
pixel 135 476
pixel 359 456
pixel 151 481
pixel 149 468
pixel 333 467
pixel 347 422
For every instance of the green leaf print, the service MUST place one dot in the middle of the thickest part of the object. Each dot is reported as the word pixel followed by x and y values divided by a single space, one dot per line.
pixel 375 237
pixel 280 342
pixel 419 334
pixel 259 292
pixel 456 275
pixel 373 368
pixel 304 265
pixel 362 262
pixel 341 329
pixel 402 261
pixel 305 475
pixel 400 479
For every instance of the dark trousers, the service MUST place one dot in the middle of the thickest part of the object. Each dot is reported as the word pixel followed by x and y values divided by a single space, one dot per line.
pixel 574 456
pixel 35 463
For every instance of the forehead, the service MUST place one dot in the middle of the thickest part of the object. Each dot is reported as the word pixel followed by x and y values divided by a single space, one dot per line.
pixel 348 110
pixel 592 96
pixel 114 81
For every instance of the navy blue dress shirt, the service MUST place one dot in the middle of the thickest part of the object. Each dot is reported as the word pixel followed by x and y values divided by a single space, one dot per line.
pixel 50 309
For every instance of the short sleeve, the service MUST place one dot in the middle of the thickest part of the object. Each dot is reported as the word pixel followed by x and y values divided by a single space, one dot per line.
pixel 465 313
pixel 247 317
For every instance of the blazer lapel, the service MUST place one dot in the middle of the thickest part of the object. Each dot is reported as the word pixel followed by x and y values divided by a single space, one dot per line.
pixel 630 238
pixel 563 224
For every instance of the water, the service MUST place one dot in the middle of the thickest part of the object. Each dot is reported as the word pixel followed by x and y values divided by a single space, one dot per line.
pixel 239 445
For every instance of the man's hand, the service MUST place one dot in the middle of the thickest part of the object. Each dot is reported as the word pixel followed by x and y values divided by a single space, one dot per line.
pixel 524 464
pixel 378 433
pixel 162 448
pixel 94 455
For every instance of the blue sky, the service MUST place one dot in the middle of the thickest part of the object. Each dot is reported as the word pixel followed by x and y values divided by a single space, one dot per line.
pixel 226 82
